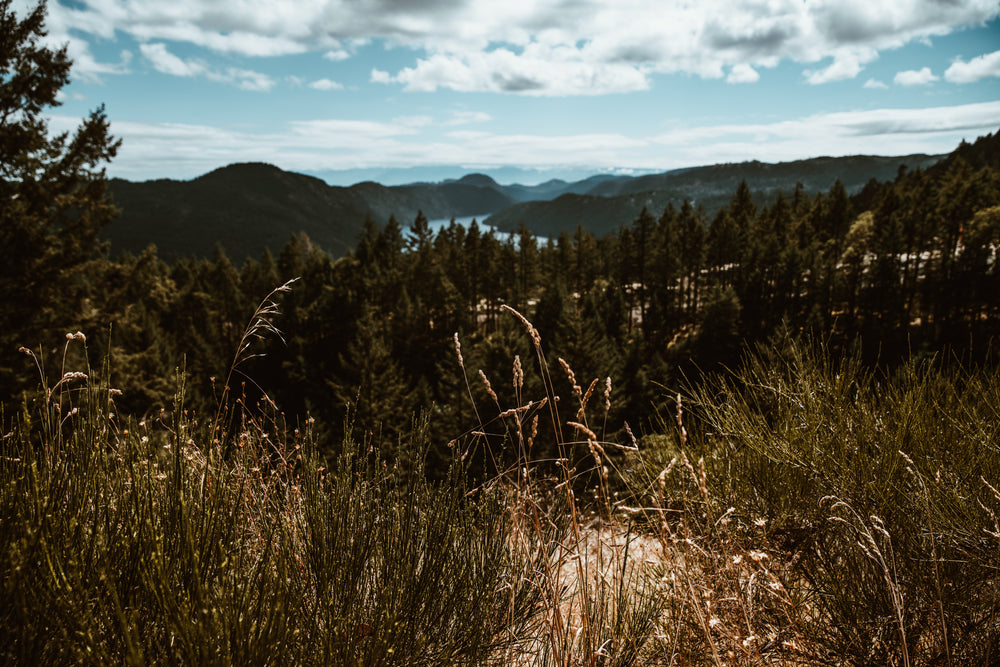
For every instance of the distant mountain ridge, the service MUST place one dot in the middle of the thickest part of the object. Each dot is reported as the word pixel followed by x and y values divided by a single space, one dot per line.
pixel 248 207
pixel 710 186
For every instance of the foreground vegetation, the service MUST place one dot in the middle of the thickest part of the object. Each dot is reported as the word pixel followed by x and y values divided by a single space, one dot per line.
pixel 802 509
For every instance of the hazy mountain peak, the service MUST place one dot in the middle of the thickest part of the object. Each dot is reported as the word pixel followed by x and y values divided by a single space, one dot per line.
pixel 479 180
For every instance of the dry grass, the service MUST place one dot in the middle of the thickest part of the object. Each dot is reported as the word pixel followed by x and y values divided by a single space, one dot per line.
pixel 733 557
pixel 798 514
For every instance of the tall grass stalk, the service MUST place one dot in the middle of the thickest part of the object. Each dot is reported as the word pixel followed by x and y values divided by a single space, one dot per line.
pixel 262 325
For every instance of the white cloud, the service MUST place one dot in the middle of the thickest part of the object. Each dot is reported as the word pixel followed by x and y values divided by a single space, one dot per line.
pixel 894 131
pixel 846 65
pixel 875 84
pixel 742 73
pixel 336 130
pixel 87 67
pixel 175 150
pixel 915 77
pixel 337 52
pixel 62 97
pixel 882 131
pixel 537 71
pixel 163 61
pixel 468 117
pixel 980 67
pixel 239 43
pixel 378 76
pixel 337 55
pixel 325 84
pixel 541 48
pixel 59 22
pixel 244 78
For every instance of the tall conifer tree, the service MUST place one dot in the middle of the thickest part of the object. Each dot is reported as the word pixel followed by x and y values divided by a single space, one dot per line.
pixel 53 197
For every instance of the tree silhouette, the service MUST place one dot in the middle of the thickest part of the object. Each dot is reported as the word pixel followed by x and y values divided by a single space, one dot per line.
pixel 53 197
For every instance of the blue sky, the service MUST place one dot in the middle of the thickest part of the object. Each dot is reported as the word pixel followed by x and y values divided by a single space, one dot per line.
pixel 396 89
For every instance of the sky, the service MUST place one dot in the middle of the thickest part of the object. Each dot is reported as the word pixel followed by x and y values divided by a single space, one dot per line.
pixel 403 90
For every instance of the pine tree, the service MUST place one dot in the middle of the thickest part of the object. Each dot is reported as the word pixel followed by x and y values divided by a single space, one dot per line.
pixel 831 220
pixel 527 266
pixel 885 299
pixel 962 193
pixel 664 276
pixel 851 278
pixel 584 270
pixel 643 229
pixel 977 266
pixel 836 218
pixel 436 311
pixel 690 235
pixel 420 236
pixel 53 197
pixel 743 211
pixel 230 308
pixel 585 342
pixel 469 279
pixel 723 249
pixel 259 277
pixel 373 383
pixel 364 250
pixel 558 259
pixel 138 296
pixel 719 337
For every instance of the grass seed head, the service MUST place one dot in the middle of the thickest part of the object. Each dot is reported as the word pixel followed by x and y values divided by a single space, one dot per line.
pixel 458 352
pixel 536 339
pixel 489 387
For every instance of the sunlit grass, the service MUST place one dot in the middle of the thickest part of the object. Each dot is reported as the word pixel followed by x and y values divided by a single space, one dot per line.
pixel 800 510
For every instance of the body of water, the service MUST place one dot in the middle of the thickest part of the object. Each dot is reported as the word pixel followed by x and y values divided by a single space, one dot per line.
pixel 440 223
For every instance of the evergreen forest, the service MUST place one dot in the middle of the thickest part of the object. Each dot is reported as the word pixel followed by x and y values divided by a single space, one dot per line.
pixel 903 269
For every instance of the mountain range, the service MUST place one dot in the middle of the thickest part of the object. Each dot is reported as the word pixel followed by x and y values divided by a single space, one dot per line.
pixel 252 206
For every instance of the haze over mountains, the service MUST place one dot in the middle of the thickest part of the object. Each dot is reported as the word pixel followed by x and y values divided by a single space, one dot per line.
pixel 252 206
pixel 439 173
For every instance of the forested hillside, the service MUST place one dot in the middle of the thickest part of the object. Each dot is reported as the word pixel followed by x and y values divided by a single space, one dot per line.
pixel 904 267
pixel 250 207
pixel 617 201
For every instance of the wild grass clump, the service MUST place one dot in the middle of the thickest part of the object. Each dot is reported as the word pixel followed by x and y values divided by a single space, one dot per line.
pixel 139 542
pixel 879 488
pixel 599 602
